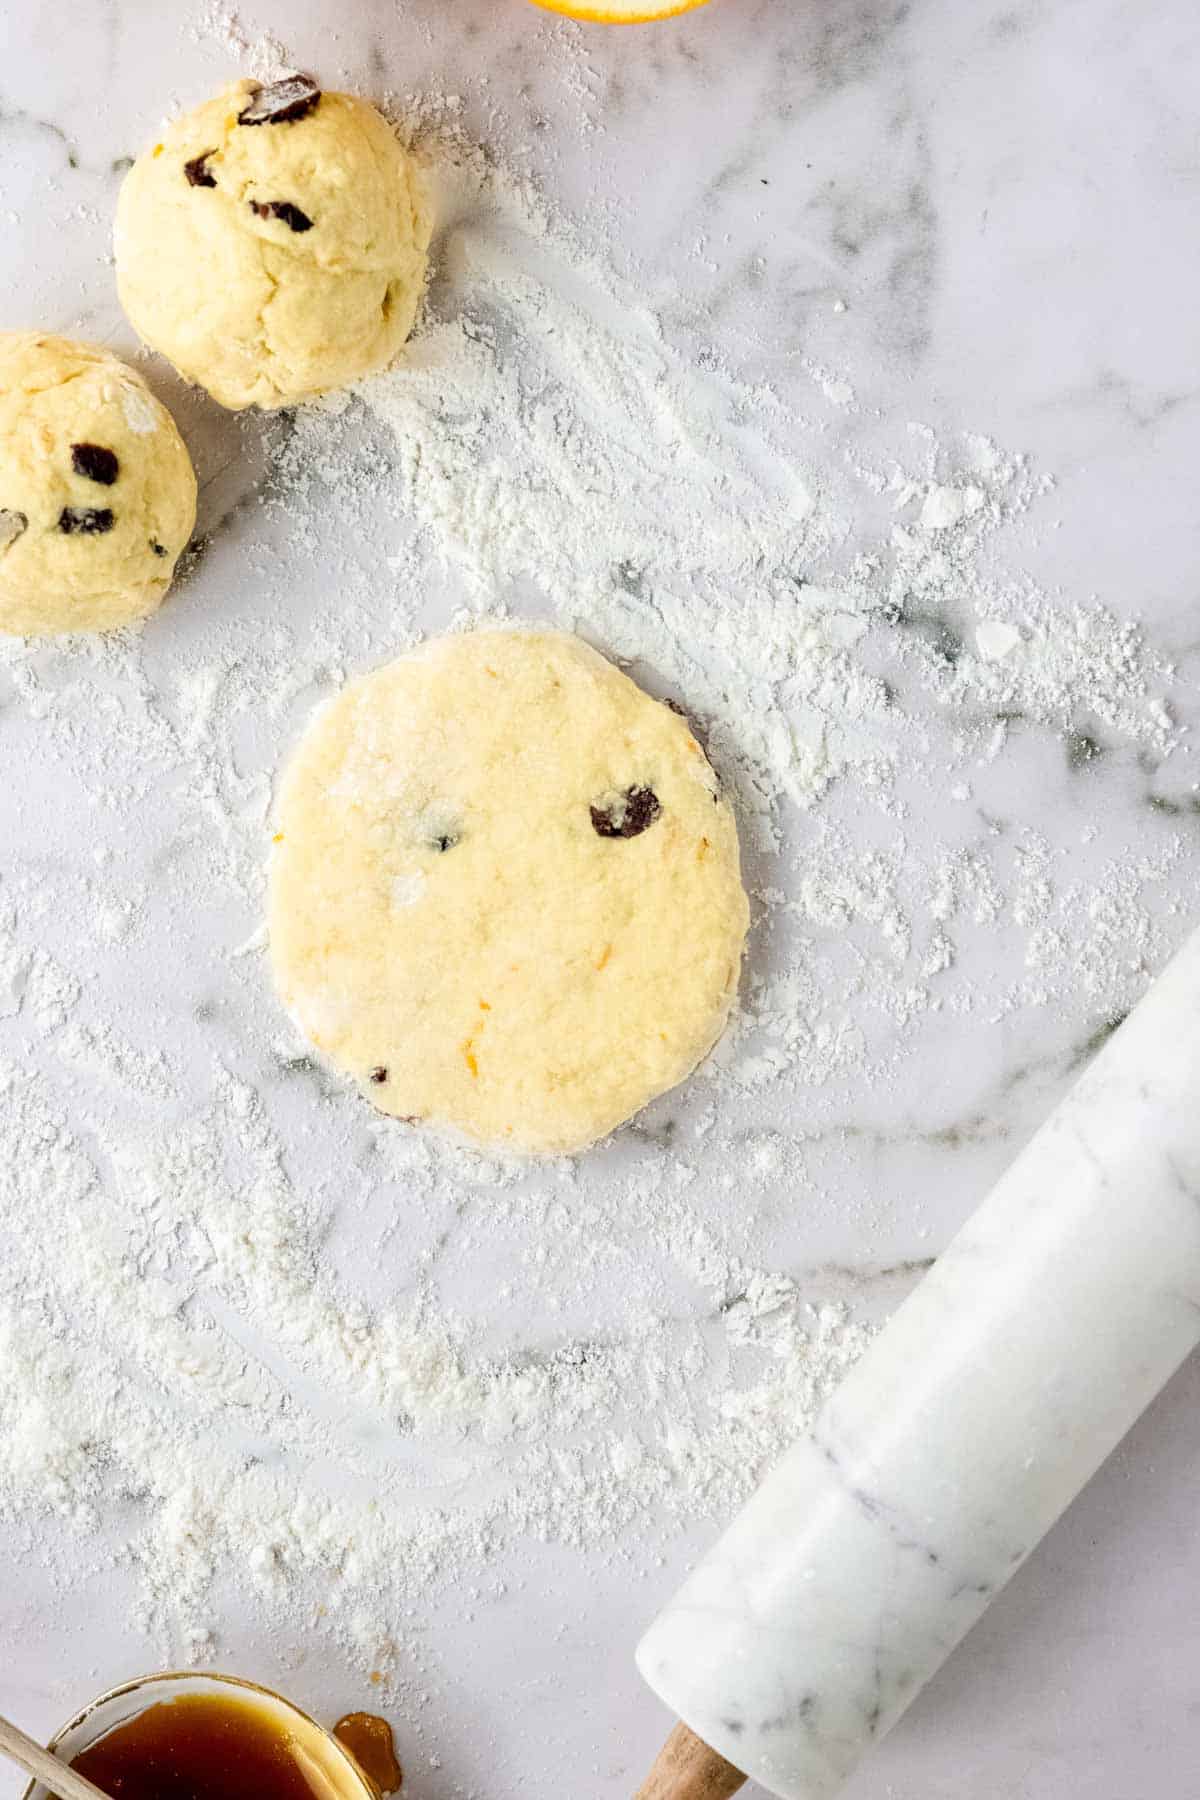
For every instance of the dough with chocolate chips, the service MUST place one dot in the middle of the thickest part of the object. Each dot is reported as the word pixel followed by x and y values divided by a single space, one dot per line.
pixel 505 892
pixel 97 493
pixel 272 244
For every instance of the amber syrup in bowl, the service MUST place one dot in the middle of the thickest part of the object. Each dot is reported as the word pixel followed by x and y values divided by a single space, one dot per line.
pixel 213 1737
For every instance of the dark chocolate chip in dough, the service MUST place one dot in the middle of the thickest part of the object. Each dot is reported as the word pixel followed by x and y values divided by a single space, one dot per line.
pixel 282 209
pixel 439 827
pixel 626 815
pixel 158 549
pixel 696 731
pixel 683 713
pixel 198 172
pixel 90 521
pixel 12 524
pixel 95 463
pixel 282 102
pixel 379 1075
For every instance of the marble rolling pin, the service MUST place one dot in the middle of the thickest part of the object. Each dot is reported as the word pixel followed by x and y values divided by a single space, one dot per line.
pixel 972 1422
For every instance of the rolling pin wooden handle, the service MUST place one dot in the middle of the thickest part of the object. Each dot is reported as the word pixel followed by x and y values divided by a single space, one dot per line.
pixel 687 1769
pixel 991 1396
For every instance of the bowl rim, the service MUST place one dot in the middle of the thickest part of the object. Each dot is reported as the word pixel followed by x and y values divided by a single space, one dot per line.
pixel 220 1679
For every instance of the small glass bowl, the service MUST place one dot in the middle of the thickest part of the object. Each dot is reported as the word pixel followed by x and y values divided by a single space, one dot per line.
pixel 330 1768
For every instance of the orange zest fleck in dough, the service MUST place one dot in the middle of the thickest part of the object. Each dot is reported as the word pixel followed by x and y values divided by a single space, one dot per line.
pixel 604 956
pixel 469 1056
pixel 704 849
pixel 278 838
pixel 158 149
pixel 485 1006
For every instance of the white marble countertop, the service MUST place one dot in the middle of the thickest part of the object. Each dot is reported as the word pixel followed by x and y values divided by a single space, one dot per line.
pixel 985 216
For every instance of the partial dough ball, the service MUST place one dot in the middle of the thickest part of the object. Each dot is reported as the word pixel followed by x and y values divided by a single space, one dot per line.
pixel 97 491
pixel 505 891
pixel 273 244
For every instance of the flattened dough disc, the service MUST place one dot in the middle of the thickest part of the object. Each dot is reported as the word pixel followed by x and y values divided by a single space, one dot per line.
pixel 505 890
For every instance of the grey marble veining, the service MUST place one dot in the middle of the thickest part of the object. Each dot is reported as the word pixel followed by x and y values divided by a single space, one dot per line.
pixel 1064 1305
pixel 1003 198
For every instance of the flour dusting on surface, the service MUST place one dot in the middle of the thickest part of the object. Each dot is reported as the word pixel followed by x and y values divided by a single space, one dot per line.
pixel 243 1321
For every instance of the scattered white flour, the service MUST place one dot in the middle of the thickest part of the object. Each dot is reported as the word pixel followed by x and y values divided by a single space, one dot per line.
pixel 259 54
pixel 195 1314
pixel 242 1323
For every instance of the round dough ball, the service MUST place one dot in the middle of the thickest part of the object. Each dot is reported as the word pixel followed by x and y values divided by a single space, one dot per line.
pixel 505 892
pixel 97 491
pixel 272 245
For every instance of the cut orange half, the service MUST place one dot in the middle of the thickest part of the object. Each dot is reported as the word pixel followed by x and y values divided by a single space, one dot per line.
pixel 620 12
